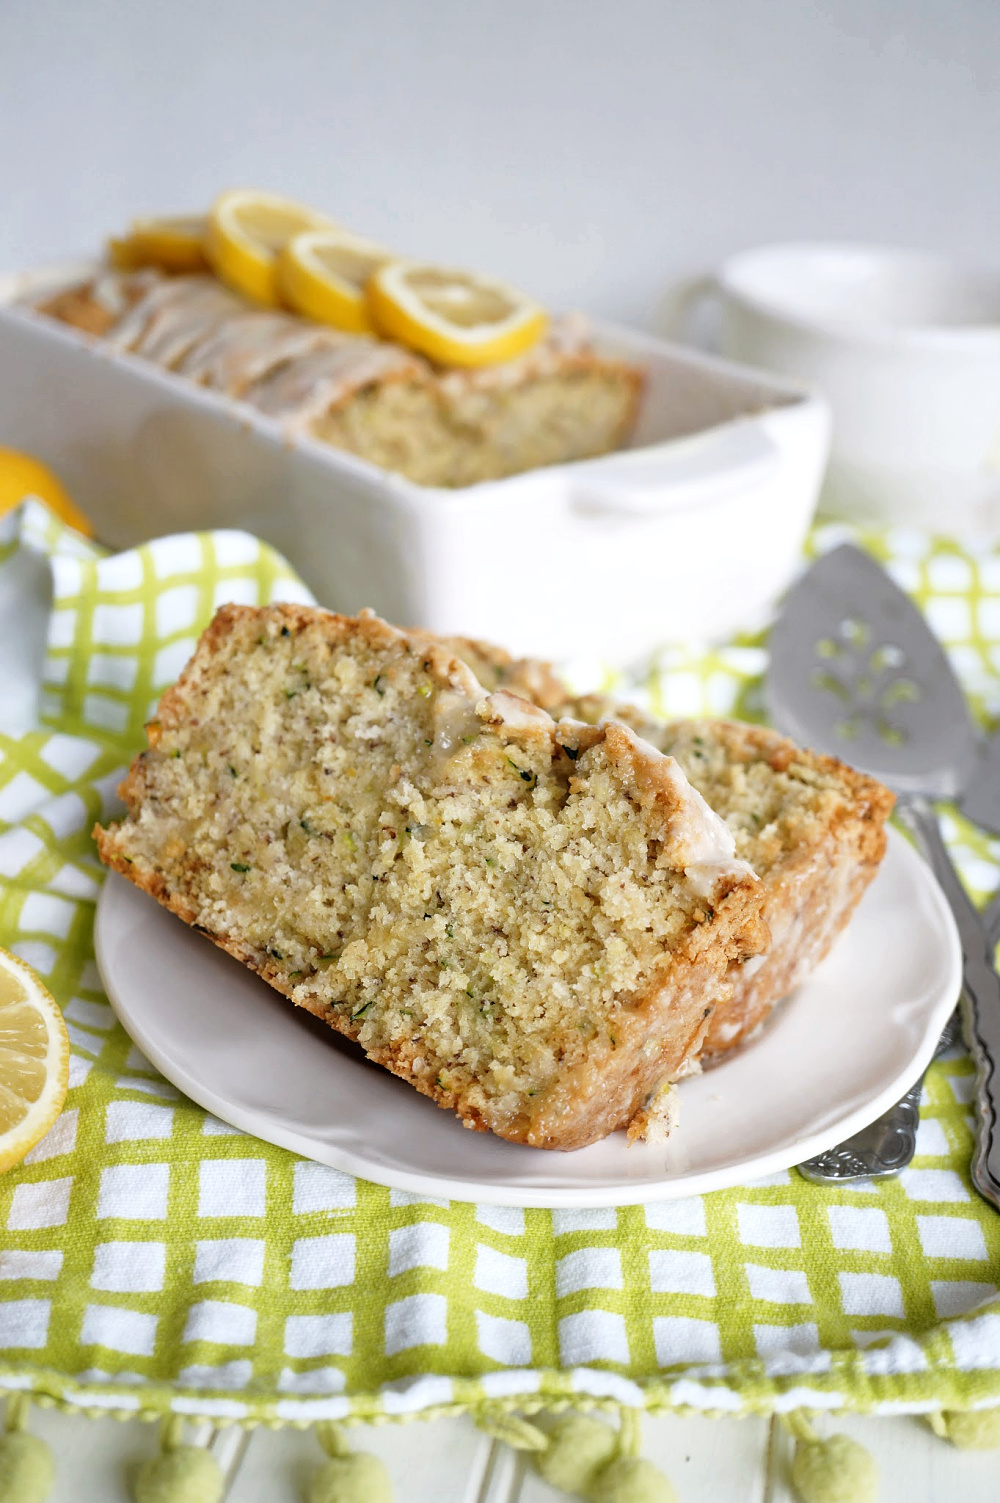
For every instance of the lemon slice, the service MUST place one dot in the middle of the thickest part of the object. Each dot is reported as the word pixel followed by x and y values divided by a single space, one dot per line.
pixel 455 317
pixel 34 1060
pixel 22 475
pixel 246 230
pixel 323 275
pixel 175 244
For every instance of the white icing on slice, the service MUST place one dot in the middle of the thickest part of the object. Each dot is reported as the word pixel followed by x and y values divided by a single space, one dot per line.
pixel 515 713
pixel 708 840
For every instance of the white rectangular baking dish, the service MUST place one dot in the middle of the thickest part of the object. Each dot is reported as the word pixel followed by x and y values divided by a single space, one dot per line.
pixel 689 534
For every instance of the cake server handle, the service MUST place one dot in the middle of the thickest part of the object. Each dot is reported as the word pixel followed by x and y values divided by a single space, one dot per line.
pixel 980 993
pixel 885 1146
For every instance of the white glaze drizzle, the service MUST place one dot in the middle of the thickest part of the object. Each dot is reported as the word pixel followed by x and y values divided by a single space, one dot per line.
pixel 299 393
pixel 708 842
pixel 165 322
pixel 290 369
pixel 242 350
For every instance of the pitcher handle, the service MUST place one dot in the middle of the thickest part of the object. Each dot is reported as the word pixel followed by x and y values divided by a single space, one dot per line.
pixel 680 303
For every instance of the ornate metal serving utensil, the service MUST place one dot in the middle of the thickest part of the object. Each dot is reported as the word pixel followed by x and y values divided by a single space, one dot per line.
pixel 856 672
pixel 981 797
pixel 886 1145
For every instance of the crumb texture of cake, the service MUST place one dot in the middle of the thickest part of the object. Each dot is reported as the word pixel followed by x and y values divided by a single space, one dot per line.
pixel 812 828
pixel 532 923
pixel 438 426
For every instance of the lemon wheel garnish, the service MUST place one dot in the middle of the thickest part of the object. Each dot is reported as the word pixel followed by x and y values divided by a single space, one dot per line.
pixel 22 475
pixel 455 317
pixel 175 244
pixel 323 275
pixel 34 1060
pixel 246 231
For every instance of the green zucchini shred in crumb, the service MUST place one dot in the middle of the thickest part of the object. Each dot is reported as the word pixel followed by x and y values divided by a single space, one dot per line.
pixel 525 773
pixel 239 866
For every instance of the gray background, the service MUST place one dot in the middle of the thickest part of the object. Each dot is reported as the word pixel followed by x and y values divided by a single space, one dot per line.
pixel 590 150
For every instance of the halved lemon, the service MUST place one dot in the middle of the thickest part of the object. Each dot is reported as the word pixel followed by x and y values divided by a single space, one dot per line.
pixel 456 317
pixel 175 243
pixel 23 475
pixel 34 1060
pixel 323 274
pixel 246 230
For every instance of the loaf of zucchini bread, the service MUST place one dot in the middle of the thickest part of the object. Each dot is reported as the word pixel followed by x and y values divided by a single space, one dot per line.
pixel 533 923
pixel 437 425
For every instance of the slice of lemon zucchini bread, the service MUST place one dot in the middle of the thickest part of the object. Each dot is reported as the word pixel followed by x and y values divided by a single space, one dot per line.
pixel 812 828
pixel 530 922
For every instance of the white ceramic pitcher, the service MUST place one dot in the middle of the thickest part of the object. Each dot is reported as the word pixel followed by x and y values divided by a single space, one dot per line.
pixel 906 347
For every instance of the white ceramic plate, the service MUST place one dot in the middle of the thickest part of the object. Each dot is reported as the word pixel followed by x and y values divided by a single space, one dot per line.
pixel 847 1045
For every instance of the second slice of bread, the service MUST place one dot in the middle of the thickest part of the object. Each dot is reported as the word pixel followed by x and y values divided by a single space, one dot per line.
pixel 812 828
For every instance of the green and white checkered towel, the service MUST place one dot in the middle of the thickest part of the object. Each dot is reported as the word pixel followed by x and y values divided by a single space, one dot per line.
pixel 154 1258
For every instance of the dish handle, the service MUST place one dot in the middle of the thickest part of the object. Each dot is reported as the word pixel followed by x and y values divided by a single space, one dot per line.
pixel 679 475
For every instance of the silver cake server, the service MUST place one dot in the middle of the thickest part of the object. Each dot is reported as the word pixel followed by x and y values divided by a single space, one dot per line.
pixel 856 672
pixel 981 798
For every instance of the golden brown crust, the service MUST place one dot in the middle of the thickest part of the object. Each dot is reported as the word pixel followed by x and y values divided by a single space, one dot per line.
pixel 81 310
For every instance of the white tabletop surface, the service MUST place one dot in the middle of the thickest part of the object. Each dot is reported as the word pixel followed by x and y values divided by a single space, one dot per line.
pixel 449 1461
